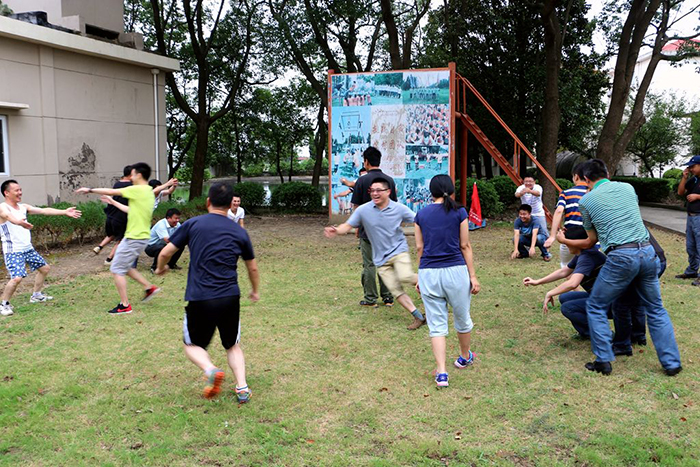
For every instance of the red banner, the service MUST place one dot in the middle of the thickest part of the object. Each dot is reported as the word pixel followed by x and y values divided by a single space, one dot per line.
pixel 475 210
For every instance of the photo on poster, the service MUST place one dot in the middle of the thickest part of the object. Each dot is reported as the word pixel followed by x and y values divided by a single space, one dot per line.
pixel 388 135
pixel 352 90
pixel 387 87
pixel 426 87
pixel 426 161
pixel 428 125
pixel 414 193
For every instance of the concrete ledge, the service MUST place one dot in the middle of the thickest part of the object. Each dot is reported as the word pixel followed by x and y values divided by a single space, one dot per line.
pixel 26 32
pixel 662 206
pixel 665 229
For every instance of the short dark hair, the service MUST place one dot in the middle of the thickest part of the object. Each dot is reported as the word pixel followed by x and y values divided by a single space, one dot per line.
pixel 6 184
pixel 525 207
pixel 528 176
pixel 220 195
pixel 383 181
pixel 578 170
pixel 594 169
pixel 575 232
pixel 235 195
pixel 127 170
pixel 172 212
pixel 143 169
pixel 373 156
pixel 154 183
pixel 441 186
pixel 362 169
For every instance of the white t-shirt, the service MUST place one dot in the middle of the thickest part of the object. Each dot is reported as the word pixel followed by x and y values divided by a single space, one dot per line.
pixel 535 202
pixel 240 214
pixel 15 239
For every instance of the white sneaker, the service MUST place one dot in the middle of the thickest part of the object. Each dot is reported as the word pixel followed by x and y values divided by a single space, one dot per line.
pixel 6 310
pixel 40 297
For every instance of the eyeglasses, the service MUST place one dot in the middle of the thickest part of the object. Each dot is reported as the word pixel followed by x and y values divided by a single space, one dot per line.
pixel 377 190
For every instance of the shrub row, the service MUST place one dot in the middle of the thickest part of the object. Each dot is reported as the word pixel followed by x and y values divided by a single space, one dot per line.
pixel 652 190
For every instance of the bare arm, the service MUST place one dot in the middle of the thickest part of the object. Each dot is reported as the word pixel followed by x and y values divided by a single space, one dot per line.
pixel 551 277
pixel 165 254
pixel 582 244
pixel 254 277
pixel 516 240
pixel 109 200
pixel 69 212
pixel 466 247
pixel 347 183
pixel 332 231
pixel 7 216
pixel 99 191
pixel 241 223
pixel 169 185
pixel 684 178
pixel 573 282
pixel 556 221
pixel 419 241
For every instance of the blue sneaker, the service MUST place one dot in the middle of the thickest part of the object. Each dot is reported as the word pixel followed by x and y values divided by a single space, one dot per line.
pixel 441 380
pixel 462 362
pixel 243 394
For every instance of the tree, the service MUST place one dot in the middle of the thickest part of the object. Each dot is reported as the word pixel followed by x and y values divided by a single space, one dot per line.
pixel 695 133
pixel 629 39
pixel 401 29
pixel 217 55
pixel 662 136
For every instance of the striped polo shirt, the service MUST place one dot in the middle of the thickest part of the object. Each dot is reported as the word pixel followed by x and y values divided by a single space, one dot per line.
pixel 612 209
pixel 569 199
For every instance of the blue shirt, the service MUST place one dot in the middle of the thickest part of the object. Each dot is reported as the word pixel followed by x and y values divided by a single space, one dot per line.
pixel 440 231
pixel 383 228
pixel 568 199
pixel 526 229
pixel 162 230
pixel 215 245
pixel 588 263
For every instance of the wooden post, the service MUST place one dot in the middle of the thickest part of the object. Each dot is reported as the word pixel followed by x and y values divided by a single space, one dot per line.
pixel 463 176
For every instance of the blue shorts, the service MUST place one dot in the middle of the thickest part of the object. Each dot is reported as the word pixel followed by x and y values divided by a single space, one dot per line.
pixel 15 262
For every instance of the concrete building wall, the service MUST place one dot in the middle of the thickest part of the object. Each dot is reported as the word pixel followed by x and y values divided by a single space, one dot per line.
pixel 106 14
pixel 87 118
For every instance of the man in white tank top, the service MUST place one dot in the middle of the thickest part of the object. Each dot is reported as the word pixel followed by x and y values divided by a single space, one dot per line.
pixel 17 243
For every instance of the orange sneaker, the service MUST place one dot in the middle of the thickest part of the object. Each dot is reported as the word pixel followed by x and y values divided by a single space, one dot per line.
pixel 214 380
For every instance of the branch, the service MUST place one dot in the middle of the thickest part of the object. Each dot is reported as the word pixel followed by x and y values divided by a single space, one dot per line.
pixel 216 25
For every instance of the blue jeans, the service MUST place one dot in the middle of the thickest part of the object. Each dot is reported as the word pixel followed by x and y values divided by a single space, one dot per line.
pixel 526 240
pixel 692 244
pixel 573 307
pixel 636 267
pixel 630 316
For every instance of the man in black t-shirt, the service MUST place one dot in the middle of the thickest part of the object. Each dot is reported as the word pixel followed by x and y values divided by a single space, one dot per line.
pixel 582 270
pixel 372 159
pixel 689 188
pixel 115 224
pixel 215 244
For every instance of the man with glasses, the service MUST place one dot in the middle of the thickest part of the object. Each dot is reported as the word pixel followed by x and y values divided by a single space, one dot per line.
pixel 372 159
pixel 381 220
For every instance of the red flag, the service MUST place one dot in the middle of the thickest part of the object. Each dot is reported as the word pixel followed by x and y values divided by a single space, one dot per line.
pixel 475 210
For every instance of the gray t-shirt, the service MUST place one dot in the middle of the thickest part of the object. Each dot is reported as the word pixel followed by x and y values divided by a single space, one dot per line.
pixel 383 228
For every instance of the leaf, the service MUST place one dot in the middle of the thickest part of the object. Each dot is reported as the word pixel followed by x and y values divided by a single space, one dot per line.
pixel 683 419
pixel 384 390
pixel 458 435
pixel 426 395
pixel 675 396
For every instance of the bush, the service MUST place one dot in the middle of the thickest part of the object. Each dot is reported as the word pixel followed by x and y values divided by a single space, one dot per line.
pixel 64 229
pixel 673 173
pixel 505 188
pixel 653 190
pixel 184 174
pixel 252 195
pixel 91 222
pixel 488 197
pixel 564 183
pixel 296 197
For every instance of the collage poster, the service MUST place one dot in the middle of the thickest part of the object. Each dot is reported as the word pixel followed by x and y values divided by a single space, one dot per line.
pixel 406 115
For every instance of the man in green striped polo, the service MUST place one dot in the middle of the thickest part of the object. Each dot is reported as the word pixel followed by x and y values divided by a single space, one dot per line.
pixel 611 215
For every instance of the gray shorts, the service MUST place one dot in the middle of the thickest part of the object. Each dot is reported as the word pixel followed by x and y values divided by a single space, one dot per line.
pixel 127 252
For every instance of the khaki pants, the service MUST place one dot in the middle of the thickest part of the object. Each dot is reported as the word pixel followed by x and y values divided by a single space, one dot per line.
pixel 398 271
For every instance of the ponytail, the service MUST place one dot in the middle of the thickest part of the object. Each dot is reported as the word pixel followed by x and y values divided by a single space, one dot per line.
pixel 441 186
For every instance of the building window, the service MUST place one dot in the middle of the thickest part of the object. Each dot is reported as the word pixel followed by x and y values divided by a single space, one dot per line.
pixel 4 151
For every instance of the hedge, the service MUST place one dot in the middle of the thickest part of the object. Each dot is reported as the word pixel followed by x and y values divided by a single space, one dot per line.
pixel 252 195
pixel 505 188
pixel 488 197
pixel 673 173
pixel 62 229
pixel 296 197
pixel 564 183
pixel 653 190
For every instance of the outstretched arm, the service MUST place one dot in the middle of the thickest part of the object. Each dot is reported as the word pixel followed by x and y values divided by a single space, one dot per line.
pixel 99 191
pixel 167 187
pixel 116 204
pixel 573 282
pixel 70 212
pixel 7 216
pixel 551 277
pixel 332 230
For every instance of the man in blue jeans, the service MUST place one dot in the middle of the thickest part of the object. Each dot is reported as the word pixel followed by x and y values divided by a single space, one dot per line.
pixel 611 215
pixel 689 187
pixel 529 231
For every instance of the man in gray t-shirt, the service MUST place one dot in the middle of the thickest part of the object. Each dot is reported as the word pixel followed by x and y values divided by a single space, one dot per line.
pixel 381 219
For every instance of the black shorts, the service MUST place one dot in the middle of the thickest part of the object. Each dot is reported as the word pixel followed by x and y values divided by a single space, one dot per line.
pixel 115 228
pixel 203 317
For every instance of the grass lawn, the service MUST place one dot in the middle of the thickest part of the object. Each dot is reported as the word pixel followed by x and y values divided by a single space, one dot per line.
pixel 335 384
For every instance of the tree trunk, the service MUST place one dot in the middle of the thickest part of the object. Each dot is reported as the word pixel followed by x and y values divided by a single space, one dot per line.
pixel 239 163
pixel 291 164
pixel 551 113
pixel 278 153
pixel 320 142
pixel 200 159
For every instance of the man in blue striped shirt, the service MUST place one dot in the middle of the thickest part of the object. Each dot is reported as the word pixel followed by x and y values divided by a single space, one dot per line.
pixel 611 215
pixel 568 211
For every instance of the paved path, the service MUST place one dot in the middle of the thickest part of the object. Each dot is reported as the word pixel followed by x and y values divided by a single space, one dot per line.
pixel 670 220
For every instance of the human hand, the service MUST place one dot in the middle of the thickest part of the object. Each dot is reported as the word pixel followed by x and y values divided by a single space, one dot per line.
pixel 547 300
pixel 254 296
pixel 549 241
pixel 83 191
pixel 330 231
pixel 692 197
pixel 26 225
pixel 529 281
pixel 531 251
pixel 686 172
pixel 73 212
pixel 561 237
pixel 107 199
pixel 161 271
pixel 476 287
pixel 417 288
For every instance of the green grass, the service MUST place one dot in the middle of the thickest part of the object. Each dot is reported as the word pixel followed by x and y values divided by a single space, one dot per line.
pixel 335 384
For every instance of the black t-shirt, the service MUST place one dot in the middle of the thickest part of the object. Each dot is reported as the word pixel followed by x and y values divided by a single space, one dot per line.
pixel 361 194
pixel 692 186
pixel 112 211
pixel 215 245
pixel 587 263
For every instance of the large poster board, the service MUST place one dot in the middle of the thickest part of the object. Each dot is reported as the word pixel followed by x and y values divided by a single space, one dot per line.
pixel 407 115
